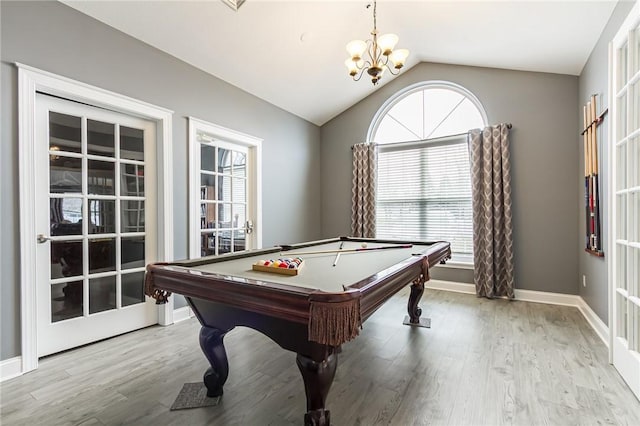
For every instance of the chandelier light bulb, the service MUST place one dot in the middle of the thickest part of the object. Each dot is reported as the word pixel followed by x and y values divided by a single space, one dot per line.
pixel 356 49
pixel 351 66
pixel 398 58
pixel 387 43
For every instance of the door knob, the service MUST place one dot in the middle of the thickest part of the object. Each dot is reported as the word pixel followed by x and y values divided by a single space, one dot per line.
pixel 42 239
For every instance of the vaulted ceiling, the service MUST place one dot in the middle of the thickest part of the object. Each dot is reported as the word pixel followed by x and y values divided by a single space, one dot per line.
pixel 292 53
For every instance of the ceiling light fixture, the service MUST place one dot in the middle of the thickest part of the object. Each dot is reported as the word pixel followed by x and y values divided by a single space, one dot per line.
pixel 380 51
pixel 233 4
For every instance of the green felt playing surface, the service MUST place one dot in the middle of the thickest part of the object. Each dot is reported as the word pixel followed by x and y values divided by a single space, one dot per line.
pixel 318 271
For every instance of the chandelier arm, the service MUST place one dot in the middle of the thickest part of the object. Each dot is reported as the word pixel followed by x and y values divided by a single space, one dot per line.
pixel 391 69
pixel 375 53
pixel 365 65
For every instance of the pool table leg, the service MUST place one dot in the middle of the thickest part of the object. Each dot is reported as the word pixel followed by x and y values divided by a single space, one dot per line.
pixel 317 377
pixel 213 348
pixel 417 288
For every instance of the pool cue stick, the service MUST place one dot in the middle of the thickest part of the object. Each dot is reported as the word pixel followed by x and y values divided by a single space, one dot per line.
pixel 335 261
pixel 586 176
pixel 590 168
pixel 357 250
pixel 596 190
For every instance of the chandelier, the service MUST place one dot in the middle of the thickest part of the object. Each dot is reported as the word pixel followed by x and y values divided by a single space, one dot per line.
pixel 381 55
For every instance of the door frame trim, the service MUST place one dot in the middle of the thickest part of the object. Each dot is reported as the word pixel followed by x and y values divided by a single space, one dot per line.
pixel 30 81
pixel 621 36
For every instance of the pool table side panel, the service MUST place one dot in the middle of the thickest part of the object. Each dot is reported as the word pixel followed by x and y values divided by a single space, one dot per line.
pixel 285 304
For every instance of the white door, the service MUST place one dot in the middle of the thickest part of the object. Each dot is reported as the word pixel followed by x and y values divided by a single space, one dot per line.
pixel 96 220
pixel 624 250
pixel 224 188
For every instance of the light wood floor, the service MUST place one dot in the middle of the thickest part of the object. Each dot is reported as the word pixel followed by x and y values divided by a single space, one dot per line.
pixel 483 362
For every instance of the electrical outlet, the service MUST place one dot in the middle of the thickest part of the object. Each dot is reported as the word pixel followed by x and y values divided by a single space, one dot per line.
pixel 584 281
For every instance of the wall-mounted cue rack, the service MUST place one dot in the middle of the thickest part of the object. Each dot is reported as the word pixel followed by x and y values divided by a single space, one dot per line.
pixel 593 237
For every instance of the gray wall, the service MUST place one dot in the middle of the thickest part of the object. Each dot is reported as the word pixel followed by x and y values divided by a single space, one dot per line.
pixel 58 39
pixel 594 81
pixel 543 109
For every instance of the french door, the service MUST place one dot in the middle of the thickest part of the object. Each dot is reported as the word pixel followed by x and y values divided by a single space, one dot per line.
pixel 96 220
pixel 624 264
pixel 224 190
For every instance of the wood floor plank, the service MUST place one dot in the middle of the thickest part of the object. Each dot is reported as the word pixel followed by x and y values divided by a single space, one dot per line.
pixel 483 362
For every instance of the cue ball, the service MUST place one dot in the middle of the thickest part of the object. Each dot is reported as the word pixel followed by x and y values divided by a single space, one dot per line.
pixel 363 245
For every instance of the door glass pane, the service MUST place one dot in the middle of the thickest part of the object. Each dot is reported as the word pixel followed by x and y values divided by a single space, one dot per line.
pixel 207 187
pixel 621 166
pixel 634 216
pixel 102 294
pixel 66 301
pixel 207 158
pixel 621 270
pixel 622 116
pixel 101 177
pixel 634 162
pixel 224 188
pixel 634 114
pixel 102 216
pixel 622 64
pixel 132 183
pixel 239 216
pixel 636 321
pixel 100 138
pixel 208 215
pixel 66 216
pixel 132 253
pixel 224 242
pixel 64 132
pixel 621 219
pixel 66 259
pixel 239 164
pixel 224 161
pixel 131 143
pixel 132 288
pixel 207 244
pixel 224 215
pixel 239 191
pixel 102 255
pixel 239 242
pixel 637 52
pixel 132 216
pixel 65 174
pixel 622 316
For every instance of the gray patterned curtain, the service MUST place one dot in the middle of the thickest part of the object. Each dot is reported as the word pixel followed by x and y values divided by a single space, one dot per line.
pixel 363 191
pixel 492 227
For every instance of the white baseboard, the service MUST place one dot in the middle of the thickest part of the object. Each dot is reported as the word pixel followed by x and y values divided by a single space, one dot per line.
pixel 451 286
pixel 576 301
pixel 182 314
pixel 10 368
pixel 601 329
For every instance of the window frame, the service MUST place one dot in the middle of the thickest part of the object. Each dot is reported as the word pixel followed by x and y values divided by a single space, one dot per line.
pixel 417 87
pixel 459 261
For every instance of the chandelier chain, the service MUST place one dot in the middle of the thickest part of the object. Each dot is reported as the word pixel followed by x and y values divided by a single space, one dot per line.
pixel 375 27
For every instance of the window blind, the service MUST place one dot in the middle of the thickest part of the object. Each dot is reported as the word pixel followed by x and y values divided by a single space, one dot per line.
pixel 424 193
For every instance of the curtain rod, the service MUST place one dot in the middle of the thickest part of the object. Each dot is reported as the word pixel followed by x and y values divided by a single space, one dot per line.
pixel 509 126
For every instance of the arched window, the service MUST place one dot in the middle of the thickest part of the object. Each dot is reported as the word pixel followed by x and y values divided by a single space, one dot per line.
pixel 424 182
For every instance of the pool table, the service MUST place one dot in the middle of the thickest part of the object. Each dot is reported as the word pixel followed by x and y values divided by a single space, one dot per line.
pixel 312 313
